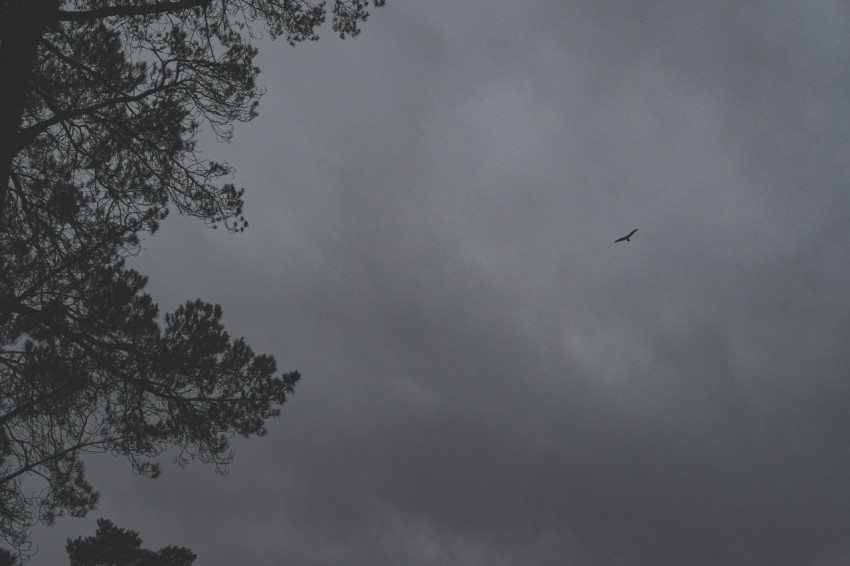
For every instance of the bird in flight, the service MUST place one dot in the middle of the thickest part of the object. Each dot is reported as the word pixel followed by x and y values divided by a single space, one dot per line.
pixel 626 238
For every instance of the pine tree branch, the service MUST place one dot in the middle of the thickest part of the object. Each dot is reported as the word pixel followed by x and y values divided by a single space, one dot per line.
pixel 144 10
pixel 27 134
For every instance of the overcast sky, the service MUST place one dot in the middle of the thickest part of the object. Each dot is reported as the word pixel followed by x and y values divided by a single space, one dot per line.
pixel 487 378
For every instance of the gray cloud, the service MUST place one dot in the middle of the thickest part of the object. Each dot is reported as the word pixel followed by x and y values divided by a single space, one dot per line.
pixel 488 379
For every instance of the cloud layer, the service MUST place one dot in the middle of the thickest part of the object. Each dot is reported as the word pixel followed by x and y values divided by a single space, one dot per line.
pixel 488 379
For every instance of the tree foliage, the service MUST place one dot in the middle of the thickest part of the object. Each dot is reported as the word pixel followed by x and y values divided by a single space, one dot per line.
pixel 114 546
pixel 8 558
pixel 98 141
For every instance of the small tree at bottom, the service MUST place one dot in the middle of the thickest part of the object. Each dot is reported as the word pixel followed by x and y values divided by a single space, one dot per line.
pixel 114 546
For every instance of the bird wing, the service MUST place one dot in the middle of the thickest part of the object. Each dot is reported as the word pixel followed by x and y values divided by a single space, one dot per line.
pixel 632 234
pixel 620 239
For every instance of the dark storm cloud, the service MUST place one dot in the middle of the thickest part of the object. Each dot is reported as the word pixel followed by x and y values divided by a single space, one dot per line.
pixel 488 378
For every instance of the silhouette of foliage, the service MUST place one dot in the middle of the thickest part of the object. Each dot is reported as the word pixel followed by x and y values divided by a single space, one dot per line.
pixel 114 546
pixel 8 558
pixel 104 102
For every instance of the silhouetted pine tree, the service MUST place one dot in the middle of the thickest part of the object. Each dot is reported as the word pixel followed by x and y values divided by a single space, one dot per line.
pixel 102 103
pixel 114 546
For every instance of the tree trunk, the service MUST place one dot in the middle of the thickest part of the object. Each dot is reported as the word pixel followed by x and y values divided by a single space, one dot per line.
pixel 22 24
